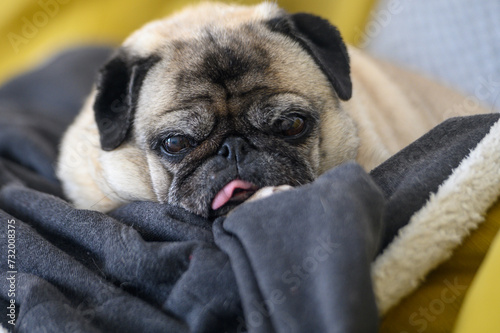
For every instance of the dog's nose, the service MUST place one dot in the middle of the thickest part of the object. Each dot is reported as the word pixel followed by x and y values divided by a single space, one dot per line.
pixel 234 148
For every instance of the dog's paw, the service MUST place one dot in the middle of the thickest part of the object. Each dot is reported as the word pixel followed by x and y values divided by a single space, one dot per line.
pixel 268 191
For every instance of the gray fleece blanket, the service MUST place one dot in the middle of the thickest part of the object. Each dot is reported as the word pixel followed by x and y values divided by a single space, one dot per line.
pixel 298 261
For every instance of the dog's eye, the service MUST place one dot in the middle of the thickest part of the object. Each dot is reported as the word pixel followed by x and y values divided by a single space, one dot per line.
pixel 176 144
pixel 292 126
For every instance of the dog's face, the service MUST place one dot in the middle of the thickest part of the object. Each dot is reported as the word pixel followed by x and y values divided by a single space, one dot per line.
pixel 220 101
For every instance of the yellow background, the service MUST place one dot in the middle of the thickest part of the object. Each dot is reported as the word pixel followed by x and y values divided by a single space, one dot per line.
pixel 76 22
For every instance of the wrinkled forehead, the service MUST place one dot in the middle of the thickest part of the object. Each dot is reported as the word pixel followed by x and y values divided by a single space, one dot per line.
pixel 222 63
pixel 224 67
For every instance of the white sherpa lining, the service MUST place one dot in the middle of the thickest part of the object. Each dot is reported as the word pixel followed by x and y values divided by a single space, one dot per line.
pixel 457 208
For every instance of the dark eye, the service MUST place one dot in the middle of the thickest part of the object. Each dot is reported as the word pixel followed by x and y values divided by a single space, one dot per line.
pixel 292 126
pixel 176 144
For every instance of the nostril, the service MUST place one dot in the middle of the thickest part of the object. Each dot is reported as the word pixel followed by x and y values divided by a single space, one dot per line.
pixel 224 151
pixel 234 148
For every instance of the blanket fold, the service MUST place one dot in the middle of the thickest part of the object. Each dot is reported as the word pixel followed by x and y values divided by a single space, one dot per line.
pixel 329 231
pixel 413 174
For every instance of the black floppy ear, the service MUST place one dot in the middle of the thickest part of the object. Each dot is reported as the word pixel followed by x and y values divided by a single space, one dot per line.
pixel 118 87
pixel 324 43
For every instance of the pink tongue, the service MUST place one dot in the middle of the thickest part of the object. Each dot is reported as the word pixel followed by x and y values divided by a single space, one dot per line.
pixel 226 193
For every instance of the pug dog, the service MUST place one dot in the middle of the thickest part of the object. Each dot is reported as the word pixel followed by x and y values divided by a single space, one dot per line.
pixel 206 107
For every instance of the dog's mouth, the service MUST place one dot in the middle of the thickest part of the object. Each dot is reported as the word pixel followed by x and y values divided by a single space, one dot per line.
pixel 235 192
